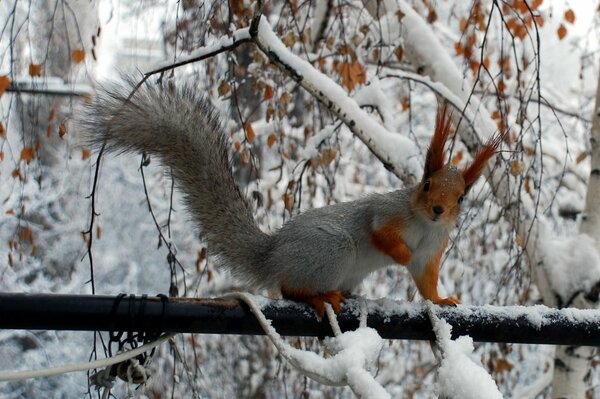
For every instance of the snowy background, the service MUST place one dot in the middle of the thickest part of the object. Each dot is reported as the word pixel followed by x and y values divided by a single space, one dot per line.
pixel 45 204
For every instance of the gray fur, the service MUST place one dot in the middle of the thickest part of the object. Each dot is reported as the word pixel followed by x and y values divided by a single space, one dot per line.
pixel 322 249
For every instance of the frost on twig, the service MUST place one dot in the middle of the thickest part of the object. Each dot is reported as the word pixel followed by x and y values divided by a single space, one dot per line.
pixel 459 377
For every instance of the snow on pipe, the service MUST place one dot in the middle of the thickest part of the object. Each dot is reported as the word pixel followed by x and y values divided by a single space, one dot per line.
pixel 393 320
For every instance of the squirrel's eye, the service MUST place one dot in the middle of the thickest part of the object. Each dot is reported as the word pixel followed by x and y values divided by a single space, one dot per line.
pixel 460 199
pixel 426 186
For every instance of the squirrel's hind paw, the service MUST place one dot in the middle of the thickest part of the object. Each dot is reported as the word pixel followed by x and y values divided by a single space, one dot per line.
pixel 449 301
pixel 318 300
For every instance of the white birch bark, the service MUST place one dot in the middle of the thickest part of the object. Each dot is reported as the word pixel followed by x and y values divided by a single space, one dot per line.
pixel 572 363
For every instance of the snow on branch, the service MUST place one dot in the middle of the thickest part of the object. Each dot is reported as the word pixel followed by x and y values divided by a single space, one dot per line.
pixel 352 354
pixel 402 160
pixel 238 37
pixel 460 377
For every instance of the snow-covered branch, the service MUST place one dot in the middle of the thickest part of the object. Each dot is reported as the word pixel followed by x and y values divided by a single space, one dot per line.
pixel 402 160
pixel 238 37
pixel 460 377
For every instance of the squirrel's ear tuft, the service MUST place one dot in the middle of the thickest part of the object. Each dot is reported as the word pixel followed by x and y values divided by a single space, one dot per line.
pixel 472 172
pixel 435 153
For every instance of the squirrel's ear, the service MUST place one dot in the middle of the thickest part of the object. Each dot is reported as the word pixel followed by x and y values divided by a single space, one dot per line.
pixel 434 160
pixel 472 172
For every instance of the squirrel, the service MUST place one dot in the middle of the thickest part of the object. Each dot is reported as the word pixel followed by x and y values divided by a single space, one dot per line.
pixel 319 255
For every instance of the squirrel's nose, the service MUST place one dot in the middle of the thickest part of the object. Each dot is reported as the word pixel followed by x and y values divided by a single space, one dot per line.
pixel 438 209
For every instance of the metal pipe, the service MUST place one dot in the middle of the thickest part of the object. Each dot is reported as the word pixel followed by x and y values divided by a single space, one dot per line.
pixel 536 325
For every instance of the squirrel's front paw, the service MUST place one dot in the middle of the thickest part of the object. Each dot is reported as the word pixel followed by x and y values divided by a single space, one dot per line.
pixel 449 301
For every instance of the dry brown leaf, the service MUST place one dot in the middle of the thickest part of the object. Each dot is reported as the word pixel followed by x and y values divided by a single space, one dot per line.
pixel 4 83
pixel 1 155
pixel 27 154
pixel 570 16
pixel 432 16
pixel 2 131
pixel 581 157
pixel 375 54
pixel 25 234
pixel 99 233
pixel 471 40
pixel 62 129
pixel 519 240
pixel 521 32
pixel 250 134
pixel 351 74
pixel 285 98
pixel 458 48
pixel 520 6
pixel 536 4
pixel 516 167
pixel 405 104
pixel 288 202
pixel 289 40
pixel 200 258
pixel 85 153
pixel 10 212
pixel 528 185
pixel 539 20
pixel 271 140
pixel 35 70
pixel 399 53
pixel 269 113
pixel 457 158
pixel 327 156
pixel 562 31
pixel 501 86
pixel 503 365
pixel 511 24
pixel 77 56
pixel 463 25
pixel 245 156
pixel 486 63
pixel 269 93
pixel 223 88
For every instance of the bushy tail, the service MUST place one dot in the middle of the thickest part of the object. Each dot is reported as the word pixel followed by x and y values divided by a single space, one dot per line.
pixel 181 127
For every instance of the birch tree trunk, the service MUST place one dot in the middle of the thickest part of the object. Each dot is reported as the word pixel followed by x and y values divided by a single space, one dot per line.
pixel 572 363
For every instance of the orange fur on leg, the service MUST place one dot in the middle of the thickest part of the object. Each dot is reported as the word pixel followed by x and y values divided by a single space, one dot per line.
pixel 428 281
pixel 316 300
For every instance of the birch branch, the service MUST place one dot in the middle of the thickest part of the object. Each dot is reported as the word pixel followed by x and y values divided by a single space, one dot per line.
pixel 403 164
